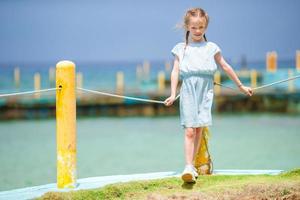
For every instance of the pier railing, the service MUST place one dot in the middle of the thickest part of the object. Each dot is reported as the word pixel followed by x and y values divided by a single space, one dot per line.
pixel 141 101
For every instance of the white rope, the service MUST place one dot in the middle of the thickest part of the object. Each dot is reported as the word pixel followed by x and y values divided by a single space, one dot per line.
pixel 277 82
pixel 124 97
pixel 234 89
pixel 139 99
pixel 28 92
pixel 162 102
pixel 260 87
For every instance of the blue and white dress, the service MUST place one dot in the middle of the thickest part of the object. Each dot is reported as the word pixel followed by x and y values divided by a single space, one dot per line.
pixel 196 68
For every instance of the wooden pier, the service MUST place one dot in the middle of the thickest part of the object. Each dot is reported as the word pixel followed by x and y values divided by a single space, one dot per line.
pixel 97 105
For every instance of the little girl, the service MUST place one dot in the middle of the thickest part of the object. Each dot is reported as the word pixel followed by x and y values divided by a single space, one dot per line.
pixel 195 61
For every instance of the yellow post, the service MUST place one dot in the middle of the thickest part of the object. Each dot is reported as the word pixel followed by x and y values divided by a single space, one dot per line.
pixel 66 124
pixel 298 60
pixel 217 79
pixel 17 77
pixel 37 84
pixel 161 81
pixel 253 78
pixel 120 83
pixel 291 87
pixel 271 61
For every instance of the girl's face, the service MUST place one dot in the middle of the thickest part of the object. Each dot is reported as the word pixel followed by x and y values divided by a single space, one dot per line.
pixel 197 28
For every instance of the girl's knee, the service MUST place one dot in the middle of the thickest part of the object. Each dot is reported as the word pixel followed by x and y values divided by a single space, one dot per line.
pixel 199 130
pixel 190 132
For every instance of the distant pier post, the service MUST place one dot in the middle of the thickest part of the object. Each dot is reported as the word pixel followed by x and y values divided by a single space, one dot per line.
pixel 37 84
pixel 291 86
pixel 217 79
pixel 253 78
pixel 79 83
pixel 271 61
pixel 146 70
pixel 17 77
pixel 298 60
pixel 167 66
pixel 51 76
pixel 161 78
pixel 139 73
pixel 66 124
pixel 120 83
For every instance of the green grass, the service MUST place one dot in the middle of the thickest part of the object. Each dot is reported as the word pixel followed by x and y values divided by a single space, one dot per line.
pixel 284 184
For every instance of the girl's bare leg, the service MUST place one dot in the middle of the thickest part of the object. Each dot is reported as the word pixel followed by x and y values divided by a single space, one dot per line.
pixel 198 135
pixel 189 142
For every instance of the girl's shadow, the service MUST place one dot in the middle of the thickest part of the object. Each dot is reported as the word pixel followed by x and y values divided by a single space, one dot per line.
pixel 188 186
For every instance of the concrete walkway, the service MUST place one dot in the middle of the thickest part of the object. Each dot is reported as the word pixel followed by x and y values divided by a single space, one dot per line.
pixel 96 182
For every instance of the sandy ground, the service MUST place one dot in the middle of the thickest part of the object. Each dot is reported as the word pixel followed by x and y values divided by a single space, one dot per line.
pixel 286 191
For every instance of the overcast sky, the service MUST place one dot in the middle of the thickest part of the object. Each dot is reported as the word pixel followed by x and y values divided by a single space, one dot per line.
pixel 110 30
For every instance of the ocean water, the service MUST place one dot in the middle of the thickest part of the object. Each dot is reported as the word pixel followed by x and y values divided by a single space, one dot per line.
pixel 102 75
pixel 111 146
pixel 95 75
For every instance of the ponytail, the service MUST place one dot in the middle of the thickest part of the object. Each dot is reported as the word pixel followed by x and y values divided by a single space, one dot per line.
pixel 205 38
pixel 187 38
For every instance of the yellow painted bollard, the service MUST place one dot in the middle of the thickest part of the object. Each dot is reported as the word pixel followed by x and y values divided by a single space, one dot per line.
pixel 37 84
pixel 217 79
pixel 66 124
pixel 17 77
pixel 291 86
pixel 253 78
pixel 271 61
pixel 120 83
pixel 298 60
pixel 161 81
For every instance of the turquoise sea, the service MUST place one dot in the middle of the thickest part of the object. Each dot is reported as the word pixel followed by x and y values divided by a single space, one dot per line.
pixel 102 75
pixel 111 146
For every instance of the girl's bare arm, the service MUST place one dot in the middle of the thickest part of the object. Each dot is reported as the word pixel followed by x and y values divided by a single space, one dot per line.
pixel 174 76
pixel 174 82
pixel 230 72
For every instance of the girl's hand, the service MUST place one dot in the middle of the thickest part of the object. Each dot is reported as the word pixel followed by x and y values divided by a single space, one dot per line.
pixel 246 90
pixel 169 101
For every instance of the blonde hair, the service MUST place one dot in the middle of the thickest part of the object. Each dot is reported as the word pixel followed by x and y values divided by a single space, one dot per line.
pixel 193 12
